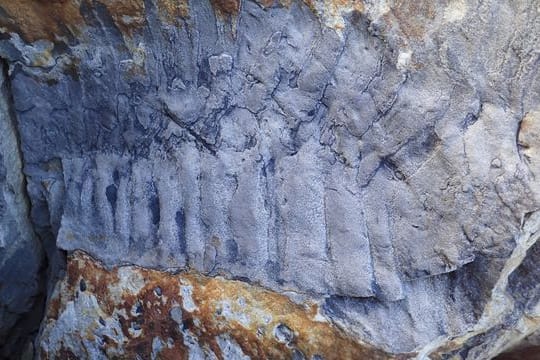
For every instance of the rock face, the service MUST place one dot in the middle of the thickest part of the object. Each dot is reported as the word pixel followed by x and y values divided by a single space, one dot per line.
pixel 378 159
pixel 129 311
pixel 21 254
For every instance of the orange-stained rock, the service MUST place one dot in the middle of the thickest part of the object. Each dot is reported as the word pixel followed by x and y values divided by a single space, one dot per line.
pixel 226 7
pixel 128 15
pixel 52 20
pixel 145 307
pixel 40 19
pixel 171 10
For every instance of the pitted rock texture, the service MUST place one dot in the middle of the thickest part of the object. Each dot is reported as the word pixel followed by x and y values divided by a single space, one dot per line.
pixel 125 312
pixel 379 157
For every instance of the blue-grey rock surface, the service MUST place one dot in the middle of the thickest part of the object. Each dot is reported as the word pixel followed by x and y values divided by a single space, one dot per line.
pixel 21 253
pixel 380 157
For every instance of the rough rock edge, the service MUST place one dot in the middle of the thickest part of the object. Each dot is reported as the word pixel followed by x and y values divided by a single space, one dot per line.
pixel 145 305
pixel 24 17
pixel 501 304
pixel 235 310
pixel 502 275
pixel 27 310
pixel 128 310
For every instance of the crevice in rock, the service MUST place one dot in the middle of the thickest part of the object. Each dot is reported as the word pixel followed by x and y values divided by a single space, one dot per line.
pixel 500 306
pixel 20 341
pixel 26 324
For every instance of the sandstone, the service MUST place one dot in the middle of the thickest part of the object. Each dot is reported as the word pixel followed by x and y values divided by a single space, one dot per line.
pixel 361 173
pixel 226 319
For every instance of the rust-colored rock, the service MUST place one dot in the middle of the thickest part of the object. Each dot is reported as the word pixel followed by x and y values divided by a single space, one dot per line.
pixel 379 158
pixel 171 10
pixel 414 16
pixel 529 353
pixel 184 313
pixel 52 20
pixel 128 15
pixel 226 7
pixel 34 20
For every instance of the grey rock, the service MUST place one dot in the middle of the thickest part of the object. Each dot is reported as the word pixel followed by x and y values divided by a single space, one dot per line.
pixel 383 162
pixel 21 255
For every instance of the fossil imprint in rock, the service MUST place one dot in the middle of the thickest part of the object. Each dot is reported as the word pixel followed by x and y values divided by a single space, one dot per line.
pixel 375 158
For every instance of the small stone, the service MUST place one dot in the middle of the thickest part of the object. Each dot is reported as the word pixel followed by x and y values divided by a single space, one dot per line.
pixel 404 60
pixel 137 309
pixel 178 84
pixel 496 163
pixel 298 355
pixel 399 175
pixel 176 314
pixel 283 334
pixel 220 63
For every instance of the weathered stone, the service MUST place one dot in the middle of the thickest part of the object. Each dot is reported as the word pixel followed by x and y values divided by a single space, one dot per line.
pixel 21 254
pixel 376 157
pixel 119 315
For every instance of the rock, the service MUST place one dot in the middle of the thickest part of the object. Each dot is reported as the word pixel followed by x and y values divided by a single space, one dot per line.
pixel 21 255
pixel 230 319
pixel 376 158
